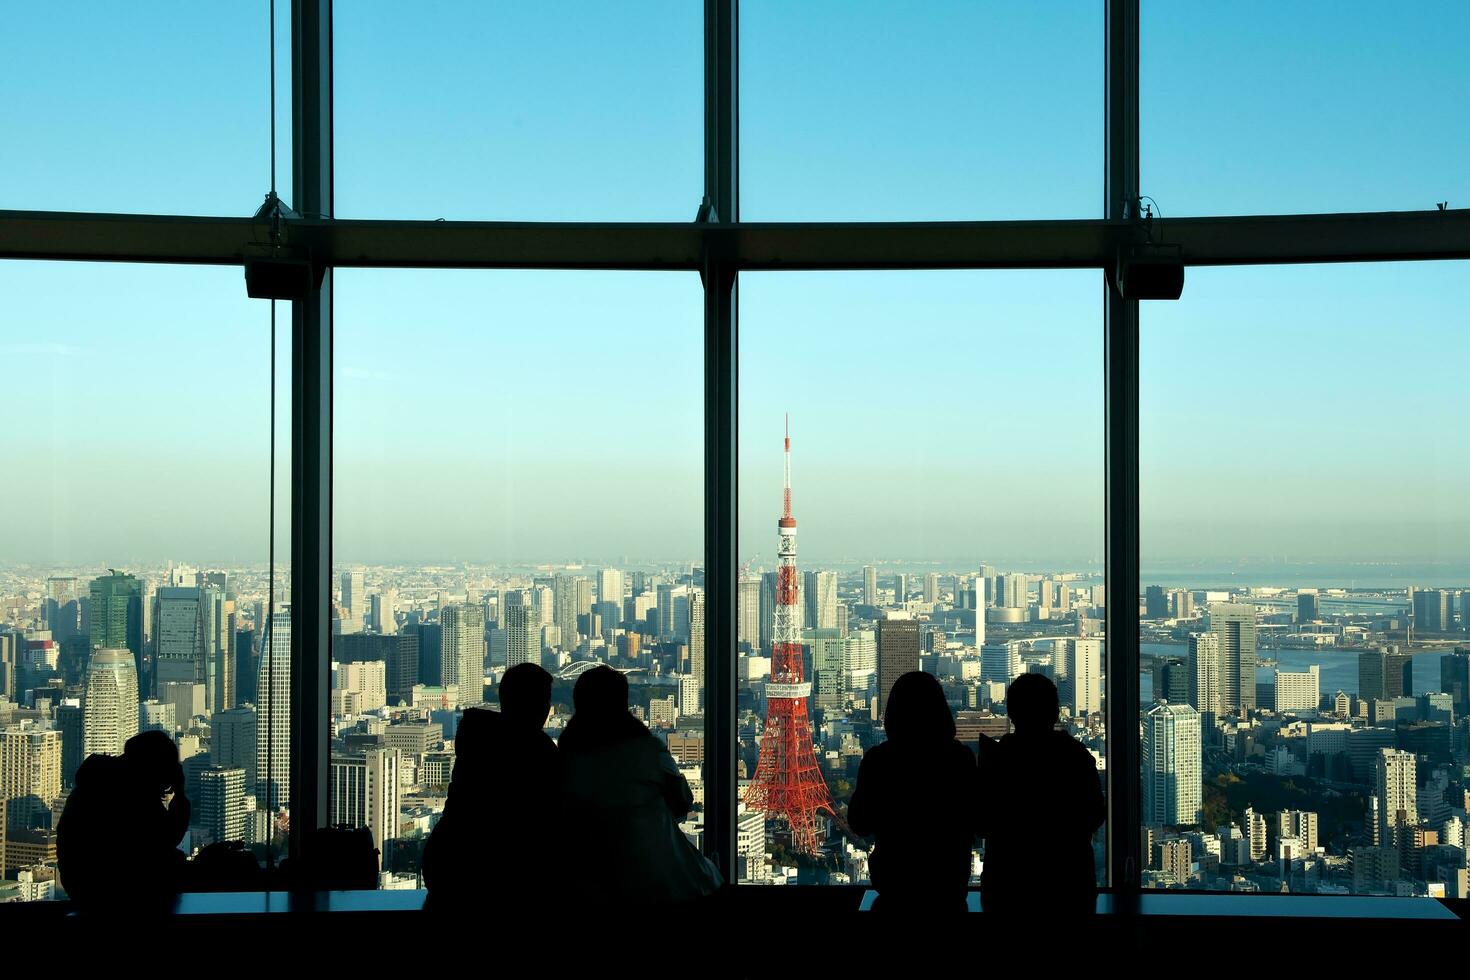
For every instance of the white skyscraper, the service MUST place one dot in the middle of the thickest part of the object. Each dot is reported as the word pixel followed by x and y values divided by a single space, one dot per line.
pixel 110 711
pixel 748 623
pixel 979 610
pixel 273 716
pixel 1396 792
pixel 463 630
pixel 870 585
pixel 820 595
pixel 365 793
pixel 1204 674
pixel 610 587
pixel 1083 687
pixel 384 606
pixel 522 635
pixel 1298 691
pixel 1173 785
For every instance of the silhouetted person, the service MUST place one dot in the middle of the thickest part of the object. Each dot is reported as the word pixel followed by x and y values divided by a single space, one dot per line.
pixel 117 840
pixel 624 798
pixel 495 842
pixel 918 795
pixel 1043 803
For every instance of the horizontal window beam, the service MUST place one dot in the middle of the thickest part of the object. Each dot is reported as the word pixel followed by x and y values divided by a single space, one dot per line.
pixel 1089 243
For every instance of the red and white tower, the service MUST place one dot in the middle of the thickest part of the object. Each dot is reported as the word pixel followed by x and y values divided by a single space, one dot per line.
pixel 787 782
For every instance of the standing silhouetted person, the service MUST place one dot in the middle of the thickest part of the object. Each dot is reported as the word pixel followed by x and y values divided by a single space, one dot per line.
pixel 1043 803
pixel 494 844
pixel 918 795
pixel 117 840
pixel 624 798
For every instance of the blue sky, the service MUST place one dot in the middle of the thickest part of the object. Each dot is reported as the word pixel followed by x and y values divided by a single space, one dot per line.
pixel 951 415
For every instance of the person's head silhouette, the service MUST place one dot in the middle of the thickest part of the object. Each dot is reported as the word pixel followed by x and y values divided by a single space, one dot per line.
pixel 917 710
pixel 600 698
pixel 1031 703
pixel 154 759
pixel 525 695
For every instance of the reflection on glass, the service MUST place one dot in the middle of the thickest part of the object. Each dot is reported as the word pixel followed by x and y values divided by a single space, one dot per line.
pixel 1305 596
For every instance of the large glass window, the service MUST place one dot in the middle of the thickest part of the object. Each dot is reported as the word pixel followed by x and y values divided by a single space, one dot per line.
pixel 1306 594
pixel 946 483
pixel 134 543
pixel 555 111
pixel 1317 105
pixel 883 111
pixel 518 478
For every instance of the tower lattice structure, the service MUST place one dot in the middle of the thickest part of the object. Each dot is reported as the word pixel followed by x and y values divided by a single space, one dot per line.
pixel 788 784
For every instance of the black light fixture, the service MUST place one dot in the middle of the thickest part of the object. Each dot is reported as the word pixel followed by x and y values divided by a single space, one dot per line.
pixel 1148 269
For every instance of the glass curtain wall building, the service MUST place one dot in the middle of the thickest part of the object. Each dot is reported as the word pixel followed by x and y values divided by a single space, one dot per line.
pixel 575 276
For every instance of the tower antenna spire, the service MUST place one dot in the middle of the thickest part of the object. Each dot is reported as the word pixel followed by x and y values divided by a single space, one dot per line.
pixel 786 493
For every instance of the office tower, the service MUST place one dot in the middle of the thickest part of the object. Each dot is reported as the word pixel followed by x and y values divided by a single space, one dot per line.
pixel 842 618
pixel 1181 604
pixel 117 615
pixel 186 698
pixel 247 665
pixel 30 773
pixel 979 613
pixel 565 612
pixel 860 657
pixel 1384 674
pixel 71 723
pixel 1017 586
pixel 1299 690
pixel 870 585
pixel 216 663
pixel 383 608
pixel 985 587
pixel 1299 824
pixel 156 716
pixel 354 596
pixel 1234 628
pixel 1308 606
pixel 1173 786
pixel 610 587
pixel 273 716
pixel 1064 597
pixel 1155 603
pixel 431 654
pixel 900 589
pixel 464 651
pixel 1432 611
pixel 898 653
pixel 749 613
pixel 1082 689
pixel 696 649
pixel 398 652
pixel 222 803
pixel 1000 661
pixel 232 741
pixel 689 696
pixel 1173 858
pixel 110 711
pixel 787 783
pixel 178 620
pixel 365 793
pixel 359 688
pixel 1171 680
pixel 1395 789
pixel 827 653
pixel 931 587
pixel 819 591
pixel 522 636
pixel 1454 680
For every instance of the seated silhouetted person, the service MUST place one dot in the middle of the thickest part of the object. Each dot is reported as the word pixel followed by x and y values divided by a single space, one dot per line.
pixel 117 840
pixel 1043 803
pixel 917 794
pixel 495 842
pixel 624 798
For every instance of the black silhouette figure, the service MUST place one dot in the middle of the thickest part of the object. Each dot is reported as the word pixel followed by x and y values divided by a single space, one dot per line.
pixel 623 799
pixel 918 795
pixel 225 866
pixel 117 840
pixel 495 840
pixel 1043 804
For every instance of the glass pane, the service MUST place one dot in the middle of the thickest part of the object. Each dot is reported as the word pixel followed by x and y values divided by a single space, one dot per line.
pixel 1258 107
pixel 554 111
pixel 520 481
pixel 159 107
pixel 134 568
pixel 884 111
pixel 946 474
pixel 1306 591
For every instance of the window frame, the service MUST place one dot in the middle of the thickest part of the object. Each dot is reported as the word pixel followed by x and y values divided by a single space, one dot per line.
pixel 719 246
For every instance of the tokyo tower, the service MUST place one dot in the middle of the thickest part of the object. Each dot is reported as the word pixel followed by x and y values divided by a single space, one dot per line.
pixel 787 781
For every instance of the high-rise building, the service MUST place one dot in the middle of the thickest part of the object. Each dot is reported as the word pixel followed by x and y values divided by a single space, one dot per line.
pixel 117 615
pixel 222 803
pixel 1181 604
pixel 1155 603
pixel 383 611
pixel 464 651
pixel 1298 824
pixel 1234 628
pixel 110 710
pixel 931 587
pixel 610 587
pixel 696 651
pixel 1308 606
pixel 273 716
pixel 1299 690
pixel 1173 858
pixel 179 625
pixel 71 723
pixel 1016 587
pixel 898 653
pixel 354 596
pixel 522 635
pixel 819 591
pixel 365 793
pixel 564 598
pixel 1395 790
pixel 1171 680
pixel 1454 680
pixel 1255 834
pixel 1173 784
pixel 232 742
pixel 870 585
pixel 1433 611
pixel 748 616
pixel 1082 690
pixel 1385 674
pixel 156 716
pixel 825 651
pixel 1000 661
pixel 30 773
pixel 399 653
pixel 900 589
